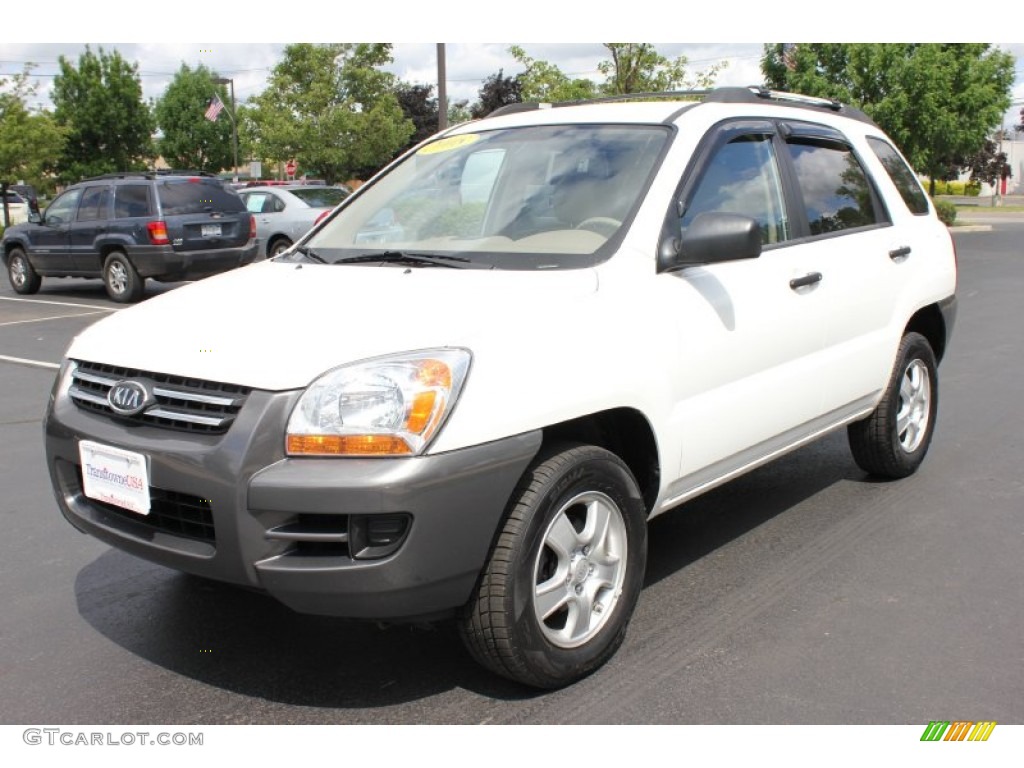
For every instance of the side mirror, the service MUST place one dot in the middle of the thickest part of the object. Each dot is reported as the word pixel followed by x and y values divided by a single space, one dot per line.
pixel 712 238
pixel 34 217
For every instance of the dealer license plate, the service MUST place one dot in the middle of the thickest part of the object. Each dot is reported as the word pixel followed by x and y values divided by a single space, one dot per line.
pixel 211 230
pixel 115 476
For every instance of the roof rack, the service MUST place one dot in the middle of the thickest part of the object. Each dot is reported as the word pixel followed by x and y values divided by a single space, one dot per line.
pixel 753 94
pixel 121 175
pixel 151 174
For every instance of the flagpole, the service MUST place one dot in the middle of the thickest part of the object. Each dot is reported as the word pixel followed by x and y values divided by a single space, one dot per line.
pixel 234 123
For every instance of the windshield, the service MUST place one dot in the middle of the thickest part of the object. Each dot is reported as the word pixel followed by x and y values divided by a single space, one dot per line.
pixel 518 198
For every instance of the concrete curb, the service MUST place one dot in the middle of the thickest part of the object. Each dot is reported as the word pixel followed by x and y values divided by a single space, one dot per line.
pixel 971 228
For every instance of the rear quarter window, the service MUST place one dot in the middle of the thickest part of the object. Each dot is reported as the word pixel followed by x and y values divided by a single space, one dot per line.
pixel 901 175
pixel 186 196
pixel 131 201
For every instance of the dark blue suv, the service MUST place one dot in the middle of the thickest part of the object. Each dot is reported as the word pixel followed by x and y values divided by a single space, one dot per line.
pixel 125 228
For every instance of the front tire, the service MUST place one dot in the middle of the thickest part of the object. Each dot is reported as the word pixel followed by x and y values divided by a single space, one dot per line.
pixel 893 440
pixel 553 602
pixel 22 276
pixel 123 283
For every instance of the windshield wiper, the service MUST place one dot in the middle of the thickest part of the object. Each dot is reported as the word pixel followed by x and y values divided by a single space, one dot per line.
pixel 456 262
pixel 310 254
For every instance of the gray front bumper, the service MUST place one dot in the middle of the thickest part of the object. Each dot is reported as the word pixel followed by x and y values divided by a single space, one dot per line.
pixel 455 501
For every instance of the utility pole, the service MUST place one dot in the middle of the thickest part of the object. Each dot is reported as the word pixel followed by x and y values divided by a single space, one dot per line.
pixel 442 90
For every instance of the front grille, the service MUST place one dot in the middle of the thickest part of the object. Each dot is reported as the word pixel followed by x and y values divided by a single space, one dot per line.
pixel 188 405
pixel 180 514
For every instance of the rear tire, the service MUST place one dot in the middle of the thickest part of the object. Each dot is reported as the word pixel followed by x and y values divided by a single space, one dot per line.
pixel 22 276
pixel 278 246
pixel 893 440
pixel 123 283
pixel 554 600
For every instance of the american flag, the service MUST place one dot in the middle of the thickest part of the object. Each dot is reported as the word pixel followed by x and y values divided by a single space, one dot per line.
pixel 789 56
pixel 212 111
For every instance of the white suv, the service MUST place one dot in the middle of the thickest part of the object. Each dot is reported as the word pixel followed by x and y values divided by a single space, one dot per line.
pixel 467 391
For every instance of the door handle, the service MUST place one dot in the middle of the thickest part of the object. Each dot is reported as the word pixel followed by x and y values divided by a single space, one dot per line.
pixel 898 254
pixel 811 278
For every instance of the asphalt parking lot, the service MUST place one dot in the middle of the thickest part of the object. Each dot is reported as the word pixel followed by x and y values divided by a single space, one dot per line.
pixel 801 593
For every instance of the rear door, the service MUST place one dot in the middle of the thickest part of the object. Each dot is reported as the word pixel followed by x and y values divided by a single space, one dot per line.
pixel 89 225
pixel 847 233
pixel 202 214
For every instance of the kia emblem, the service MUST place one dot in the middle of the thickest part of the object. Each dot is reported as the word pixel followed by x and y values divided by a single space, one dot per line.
pixel 128 398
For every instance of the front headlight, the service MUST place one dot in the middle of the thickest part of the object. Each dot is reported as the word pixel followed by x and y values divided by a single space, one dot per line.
pixel 388 406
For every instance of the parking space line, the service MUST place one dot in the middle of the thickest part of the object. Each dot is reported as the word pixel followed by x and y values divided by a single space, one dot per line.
pixel 44 319
pixel 63 304
pixel 33 363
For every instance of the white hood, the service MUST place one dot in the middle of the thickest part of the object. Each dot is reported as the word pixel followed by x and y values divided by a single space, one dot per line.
pixel 278 326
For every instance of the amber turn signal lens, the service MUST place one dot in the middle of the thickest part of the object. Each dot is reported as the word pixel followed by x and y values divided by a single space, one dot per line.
pixel 347 445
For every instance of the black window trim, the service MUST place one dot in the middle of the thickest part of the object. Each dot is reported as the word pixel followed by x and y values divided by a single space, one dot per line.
pixel 106 200
pixel 780 129
pixel 824 135
pixel 715 138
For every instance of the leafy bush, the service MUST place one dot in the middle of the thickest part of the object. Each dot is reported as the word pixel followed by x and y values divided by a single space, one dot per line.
pixel 962 188
pixel 946 211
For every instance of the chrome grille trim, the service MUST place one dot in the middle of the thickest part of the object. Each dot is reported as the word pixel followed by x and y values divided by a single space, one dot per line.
pixel 183 404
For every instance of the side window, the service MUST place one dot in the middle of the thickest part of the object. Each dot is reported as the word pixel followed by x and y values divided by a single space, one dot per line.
pixel 254 201
pixel 743 177
pixel 95 204
pixel 131 201
pixel 902 177
pixel 836 192
pixel 62 210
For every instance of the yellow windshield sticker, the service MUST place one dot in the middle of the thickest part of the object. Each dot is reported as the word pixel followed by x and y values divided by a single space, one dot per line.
pixel 450 143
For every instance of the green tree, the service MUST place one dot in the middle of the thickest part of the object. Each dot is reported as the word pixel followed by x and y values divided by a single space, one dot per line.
pixel 633 68
pixel 29 142
pixel 331 108
pixel 190 140
pixel 543 81
pixel 939 102
pixel 108 125
pixel 639 68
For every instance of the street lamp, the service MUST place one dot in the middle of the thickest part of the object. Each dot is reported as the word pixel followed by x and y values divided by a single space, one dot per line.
pixel 234 123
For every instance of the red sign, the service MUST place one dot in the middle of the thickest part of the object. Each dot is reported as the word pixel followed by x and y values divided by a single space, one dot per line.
pixel 290 167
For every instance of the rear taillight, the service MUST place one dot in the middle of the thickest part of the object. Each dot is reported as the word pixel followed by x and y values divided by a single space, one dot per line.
pixel 321 217
pixel 158 233
pixel 252 227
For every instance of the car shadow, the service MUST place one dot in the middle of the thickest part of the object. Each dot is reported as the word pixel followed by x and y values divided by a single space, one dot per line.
pixel 245 642
pixel 694 529
pixel 77 289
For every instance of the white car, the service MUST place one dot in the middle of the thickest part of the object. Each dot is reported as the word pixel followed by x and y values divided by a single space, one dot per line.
pixel 285 213
pixel 17 209
pixel 509 351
